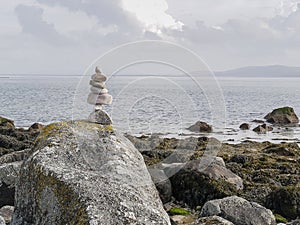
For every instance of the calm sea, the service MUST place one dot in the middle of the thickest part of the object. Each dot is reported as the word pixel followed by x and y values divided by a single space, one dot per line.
pixel 152 104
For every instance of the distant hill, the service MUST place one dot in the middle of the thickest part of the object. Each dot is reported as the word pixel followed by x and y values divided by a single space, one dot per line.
pixel 262 71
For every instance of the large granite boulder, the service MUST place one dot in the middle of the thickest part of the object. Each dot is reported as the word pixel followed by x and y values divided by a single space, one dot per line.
pixel 239 211
pixel 194 184
pixel 283 116
pixel 84 173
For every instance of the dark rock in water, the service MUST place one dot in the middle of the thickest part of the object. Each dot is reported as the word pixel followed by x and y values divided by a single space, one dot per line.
pixel 4 122
pixel 85 173
pixel 6 213
pixel 212 220
pixel 262 129
pixel 283 116
pixel 245 126
pixel 195 185
pixel 101 117
pixel 200 127
pixel 36 126
pixel 285 201
pixel 239 211
pixel 258 121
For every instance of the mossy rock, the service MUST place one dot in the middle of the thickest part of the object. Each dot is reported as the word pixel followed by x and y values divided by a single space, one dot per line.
pixel 280 219
pixel 178 211
pixel 4 122
pixel 283 116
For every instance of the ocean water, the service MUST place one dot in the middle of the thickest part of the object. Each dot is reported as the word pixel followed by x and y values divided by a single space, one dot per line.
pixel 154 104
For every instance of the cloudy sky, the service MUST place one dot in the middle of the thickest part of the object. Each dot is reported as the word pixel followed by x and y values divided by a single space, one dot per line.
pixel 65 36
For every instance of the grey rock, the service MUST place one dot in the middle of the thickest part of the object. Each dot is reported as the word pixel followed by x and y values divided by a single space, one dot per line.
pixel 239 211
pixel 212 220
pixel 98 77
pixel 9 174
pixel 101 117
pixel 103 99
pixel 6 213
pixel 85 173
pixel 14 156
pixel 162 183
pixel 97 84
pixel 200 127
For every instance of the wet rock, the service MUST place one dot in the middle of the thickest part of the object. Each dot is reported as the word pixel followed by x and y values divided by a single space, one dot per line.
pixel 245 126
pixel 195 185
pixel 200 127
pixel 6 213
pixel 285 201
pixel 239 211
pixel 212 220
pixel 283 116
pixel 84 173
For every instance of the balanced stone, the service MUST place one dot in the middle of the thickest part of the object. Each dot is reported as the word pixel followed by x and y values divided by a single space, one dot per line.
pixel 101 117
pixel 97 84
pixel 99 77
pixel 103 99
pixel 99 90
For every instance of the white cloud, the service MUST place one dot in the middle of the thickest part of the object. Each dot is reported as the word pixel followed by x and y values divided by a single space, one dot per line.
pixel 152 14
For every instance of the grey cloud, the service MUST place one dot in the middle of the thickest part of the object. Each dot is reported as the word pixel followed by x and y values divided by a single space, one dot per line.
pixel 108 12
pixel 31 21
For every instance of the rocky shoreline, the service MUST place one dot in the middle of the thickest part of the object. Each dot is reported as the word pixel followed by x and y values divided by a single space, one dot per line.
pixel 200 180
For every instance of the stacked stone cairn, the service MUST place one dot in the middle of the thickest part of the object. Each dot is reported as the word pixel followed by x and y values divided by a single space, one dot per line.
pixel 98 97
